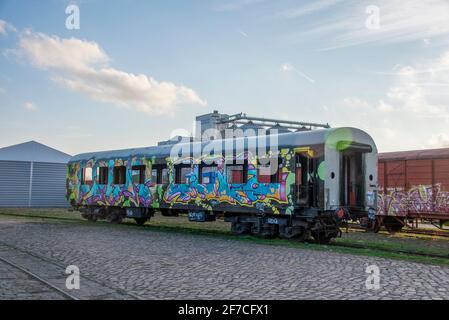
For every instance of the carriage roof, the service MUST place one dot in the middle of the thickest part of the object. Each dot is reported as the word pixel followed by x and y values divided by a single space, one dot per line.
pixel 291 139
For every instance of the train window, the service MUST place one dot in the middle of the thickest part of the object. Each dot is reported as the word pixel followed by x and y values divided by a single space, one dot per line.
pixel 86 176
pixel 138 174
pixel 264 173
pixel 235 174
pixel 269 173
pixel 208 174
pixel 102 175
pixel 182 173
pixel 154 176
pixel 120 175
pixel 370 177
pixel 165 176
pixel 159 174
pixel 332 175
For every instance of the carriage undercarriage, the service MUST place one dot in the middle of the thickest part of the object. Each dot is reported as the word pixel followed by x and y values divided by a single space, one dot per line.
pixel 306 225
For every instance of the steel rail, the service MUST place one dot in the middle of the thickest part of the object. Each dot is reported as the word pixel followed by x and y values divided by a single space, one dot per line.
pixel 119 290
pixel 35 276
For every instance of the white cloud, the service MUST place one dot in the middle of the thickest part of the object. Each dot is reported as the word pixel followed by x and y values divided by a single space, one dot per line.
pixel 440 140
pixel 5 27
pixel 71 54
pixel 411 114
pixel 384 107
pixel 355 103
pixel 286 67
pixel 83 66
pixel 29 106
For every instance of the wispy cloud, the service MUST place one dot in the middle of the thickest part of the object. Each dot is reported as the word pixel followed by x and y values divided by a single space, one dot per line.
pixel 402 115
pixel 5 27
pixel 307 9
pixel 84 67
pixel 243 33
pixel 29 106
pixel 288 67
pixel 414 20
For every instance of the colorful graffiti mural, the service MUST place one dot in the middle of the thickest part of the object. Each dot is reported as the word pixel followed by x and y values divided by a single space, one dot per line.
pixel 266 197
pixel 422 199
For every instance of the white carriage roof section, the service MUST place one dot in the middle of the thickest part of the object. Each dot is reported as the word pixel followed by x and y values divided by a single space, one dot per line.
pixel 33 151
pixel 291 139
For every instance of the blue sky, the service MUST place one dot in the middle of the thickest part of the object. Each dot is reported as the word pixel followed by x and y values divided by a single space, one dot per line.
pixel 137 70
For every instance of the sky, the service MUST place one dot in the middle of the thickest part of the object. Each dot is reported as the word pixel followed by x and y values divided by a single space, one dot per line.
pixel 133 72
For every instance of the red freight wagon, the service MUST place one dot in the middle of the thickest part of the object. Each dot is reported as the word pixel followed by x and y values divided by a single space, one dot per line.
pixel 413 185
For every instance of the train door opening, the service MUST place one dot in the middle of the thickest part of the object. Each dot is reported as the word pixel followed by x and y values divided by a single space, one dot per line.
pixel 352 182
pixel 305 186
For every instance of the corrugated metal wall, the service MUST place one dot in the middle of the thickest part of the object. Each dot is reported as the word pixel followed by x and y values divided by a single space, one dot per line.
pixel 48 184
pixel 14 183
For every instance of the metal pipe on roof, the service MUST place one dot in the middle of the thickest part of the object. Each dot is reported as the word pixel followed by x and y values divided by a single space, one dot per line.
pixel 242 116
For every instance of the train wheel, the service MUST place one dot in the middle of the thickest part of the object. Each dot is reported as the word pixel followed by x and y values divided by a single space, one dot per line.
pixel 393 225
pixel 269 231
pixel 115 217
pixel 300 234
pixel 239 228
pixel 321 237
pixel 140 221
pixel 392 228
pixel 377 224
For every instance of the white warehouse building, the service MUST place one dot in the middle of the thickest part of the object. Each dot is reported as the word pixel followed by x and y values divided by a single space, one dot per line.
pixel 32 175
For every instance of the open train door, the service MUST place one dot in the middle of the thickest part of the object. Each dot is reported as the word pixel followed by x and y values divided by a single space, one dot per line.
pixel 305 184
pixel 352 175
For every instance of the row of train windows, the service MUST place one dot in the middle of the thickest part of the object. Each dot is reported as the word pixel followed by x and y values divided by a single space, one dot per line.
pixel 235 174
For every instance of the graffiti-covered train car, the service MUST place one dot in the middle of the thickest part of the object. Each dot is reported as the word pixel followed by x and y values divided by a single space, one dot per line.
pixel 413 185
pixel 297 184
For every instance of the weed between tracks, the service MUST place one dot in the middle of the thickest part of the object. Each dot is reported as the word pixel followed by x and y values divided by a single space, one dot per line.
pixel 424 250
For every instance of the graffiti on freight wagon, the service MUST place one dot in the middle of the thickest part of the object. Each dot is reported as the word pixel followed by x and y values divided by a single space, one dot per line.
pixel 418 199
pixel 207 194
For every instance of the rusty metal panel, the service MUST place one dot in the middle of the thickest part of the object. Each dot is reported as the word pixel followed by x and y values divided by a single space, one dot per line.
pixel 415 187
pixel 419 172
pixel 395 174
pixel 441 172
pixel 441 153
pixel 380 174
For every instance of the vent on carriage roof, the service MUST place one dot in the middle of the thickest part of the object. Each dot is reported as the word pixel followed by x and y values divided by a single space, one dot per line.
pixel 33 151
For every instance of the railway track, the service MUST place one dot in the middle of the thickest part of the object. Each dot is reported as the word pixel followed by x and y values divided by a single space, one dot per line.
pixel 416 232
pixel 39 279
pixel 89 289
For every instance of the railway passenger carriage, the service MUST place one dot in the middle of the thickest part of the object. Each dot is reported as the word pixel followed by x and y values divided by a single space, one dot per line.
pixel 315 180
